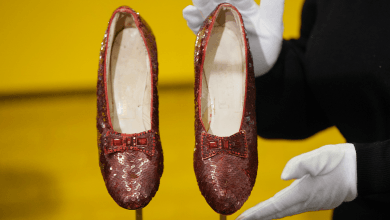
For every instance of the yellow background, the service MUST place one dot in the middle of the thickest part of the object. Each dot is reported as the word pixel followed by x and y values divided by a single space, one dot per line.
pixel 48 161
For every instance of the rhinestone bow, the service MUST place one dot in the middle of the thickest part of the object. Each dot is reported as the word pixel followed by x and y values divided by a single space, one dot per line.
pixel 144 142
pixel 234 145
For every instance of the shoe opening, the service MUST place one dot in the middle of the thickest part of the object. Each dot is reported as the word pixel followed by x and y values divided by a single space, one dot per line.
pixel 128 76
pixel 224 75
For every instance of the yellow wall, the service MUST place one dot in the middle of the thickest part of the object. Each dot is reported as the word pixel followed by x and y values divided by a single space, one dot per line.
pixel 54 45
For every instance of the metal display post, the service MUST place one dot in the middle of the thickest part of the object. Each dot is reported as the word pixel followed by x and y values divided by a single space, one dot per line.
pixel 138 214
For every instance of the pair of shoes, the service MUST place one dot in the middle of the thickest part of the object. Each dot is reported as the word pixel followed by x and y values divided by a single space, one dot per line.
pixel 225 157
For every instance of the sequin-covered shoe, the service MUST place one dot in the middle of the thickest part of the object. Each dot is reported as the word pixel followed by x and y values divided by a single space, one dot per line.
pixel 130 153
pixel 225 157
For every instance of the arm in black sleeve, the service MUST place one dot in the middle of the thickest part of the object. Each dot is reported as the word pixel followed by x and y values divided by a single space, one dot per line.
pixel 285 106
pixel 373 170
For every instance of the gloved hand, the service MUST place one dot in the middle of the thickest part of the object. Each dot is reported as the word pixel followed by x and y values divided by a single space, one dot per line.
pixel 325 178
pixel 264 26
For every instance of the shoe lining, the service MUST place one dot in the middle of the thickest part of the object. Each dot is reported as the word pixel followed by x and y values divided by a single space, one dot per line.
pixel 128 77
pixel 223 79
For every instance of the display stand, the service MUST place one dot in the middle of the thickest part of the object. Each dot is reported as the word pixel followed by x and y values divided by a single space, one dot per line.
pixel 138 214
pixel 222 217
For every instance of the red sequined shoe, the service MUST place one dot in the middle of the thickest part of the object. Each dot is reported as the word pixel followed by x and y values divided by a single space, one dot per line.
pixel 130 153
pixel 225 157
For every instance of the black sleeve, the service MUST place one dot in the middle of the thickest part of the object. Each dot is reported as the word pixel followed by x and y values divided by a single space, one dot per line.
pixel 373 170
pixel 285 106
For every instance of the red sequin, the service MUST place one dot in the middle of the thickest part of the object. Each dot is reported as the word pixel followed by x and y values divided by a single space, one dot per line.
pixel 117 142
pixel 142 141
pixel 128 141
pixel 226 144
pixel 213 144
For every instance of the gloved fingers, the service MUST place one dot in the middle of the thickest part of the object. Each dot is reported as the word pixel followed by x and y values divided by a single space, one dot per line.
pixel 272 10
pixel 194 18
pixel 271 13
pixel 201 3
pixel 244 5
pixel 297 166
pixel 287 198
pixel 260 211
pixel 293 210
pixel 205 6
pixel 317 162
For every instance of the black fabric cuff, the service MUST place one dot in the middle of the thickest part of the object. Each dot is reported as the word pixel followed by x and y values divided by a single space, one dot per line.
pixel 373 168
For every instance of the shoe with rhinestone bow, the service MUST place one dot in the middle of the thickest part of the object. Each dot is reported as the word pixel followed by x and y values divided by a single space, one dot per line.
pixel 225 157
pixel 130 153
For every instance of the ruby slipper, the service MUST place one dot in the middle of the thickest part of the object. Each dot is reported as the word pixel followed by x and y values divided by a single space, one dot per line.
pixel 130 153
pixel 225 157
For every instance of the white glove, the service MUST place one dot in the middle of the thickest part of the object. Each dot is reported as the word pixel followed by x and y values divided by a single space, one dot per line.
pixel 326 177
pixel 264 26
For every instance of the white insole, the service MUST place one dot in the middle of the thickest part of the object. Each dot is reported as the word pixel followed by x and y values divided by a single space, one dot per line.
pixel 223 84
pixel 130 83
